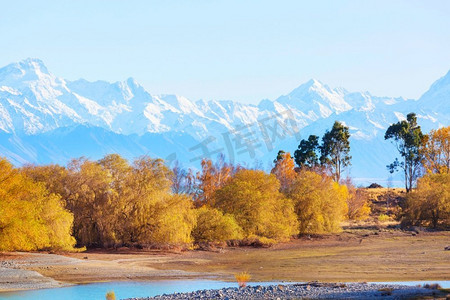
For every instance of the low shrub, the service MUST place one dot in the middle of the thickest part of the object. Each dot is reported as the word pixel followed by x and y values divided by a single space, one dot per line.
pixel 258 241
pixel 242 278
pixel 110 295
pixel 383 218
pixel 214 226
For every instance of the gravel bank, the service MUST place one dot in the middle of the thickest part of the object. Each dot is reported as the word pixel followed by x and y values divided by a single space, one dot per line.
pixel 15 276
pixel 304 291
pixel 26 271
pixel 19 279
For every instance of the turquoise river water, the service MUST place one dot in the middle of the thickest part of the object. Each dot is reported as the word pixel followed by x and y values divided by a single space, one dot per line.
pixel 129 289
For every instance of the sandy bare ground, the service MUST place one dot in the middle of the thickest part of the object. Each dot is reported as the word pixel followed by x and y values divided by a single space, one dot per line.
pixel 350 256
pixel 21 271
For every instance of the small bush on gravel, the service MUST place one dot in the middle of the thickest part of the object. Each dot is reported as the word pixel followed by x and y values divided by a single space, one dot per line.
pixel 110 295
pixel 242 279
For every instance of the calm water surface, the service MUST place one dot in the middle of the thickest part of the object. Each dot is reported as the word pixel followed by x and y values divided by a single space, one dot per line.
pixel 123 289
pixel 130 289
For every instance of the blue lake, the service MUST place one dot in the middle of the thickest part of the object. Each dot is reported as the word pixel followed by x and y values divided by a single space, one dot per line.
pixel 130 289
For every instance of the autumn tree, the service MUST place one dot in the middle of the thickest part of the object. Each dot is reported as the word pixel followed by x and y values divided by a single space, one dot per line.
pixel 118 172
pixel 335 149
pixel 172 222
pixel 214 226
pixel 429 204
pixel 88 195
pixel 319 203
pixel 154 215
pixel 30 217
pixel 253 198
pixel 210 179
pixel 284 170
pixel 93 192
pixel 53 176
pixel 436 151
pixel 115 203
pixel 408 138
pixel 307 154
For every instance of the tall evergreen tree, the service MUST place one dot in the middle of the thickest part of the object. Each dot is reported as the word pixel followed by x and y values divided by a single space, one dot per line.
pixel 408 138
pixel 335 149
pixel 307 152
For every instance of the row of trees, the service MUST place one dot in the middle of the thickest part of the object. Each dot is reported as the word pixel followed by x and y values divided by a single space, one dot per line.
pixel 426 155
pixel 420 153
pixel 110 202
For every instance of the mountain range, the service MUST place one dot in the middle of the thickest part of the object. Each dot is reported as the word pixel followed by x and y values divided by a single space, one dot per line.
pixel 47 119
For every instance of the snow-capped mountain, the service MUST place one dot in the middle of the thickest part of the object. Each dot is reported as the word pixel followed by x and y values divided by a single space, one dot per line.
pixel 44 118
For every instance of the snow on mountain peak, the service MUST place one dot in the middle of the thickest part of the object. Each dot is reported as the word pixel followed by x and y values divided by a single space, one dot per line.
pixel 123 117
pixel 34 64
pixel 27 89
pixel 316 99
pixel 310 85
pixel 30 73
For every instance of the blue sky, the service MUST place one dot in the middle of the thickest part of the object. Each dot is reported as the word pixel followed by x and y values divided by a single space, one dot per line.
pixel 239 50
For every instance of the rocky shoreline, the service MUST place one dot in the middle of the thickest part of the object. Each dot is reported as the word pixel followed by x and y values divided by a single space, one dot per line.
pixel 312 290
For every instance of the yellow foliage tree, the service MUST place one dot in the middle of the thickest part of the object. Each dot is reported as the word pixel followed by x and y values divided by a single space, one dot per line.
pixel 174 221
pixel 88 195
pixel 53 176
pixel 429 204
pixel 284 170
pixel 213 226
pixel 436 151
pixel 31 218
pixel 253 198
pixel 320 203
pixel 155 216
pixel 115 203
pixel 210 179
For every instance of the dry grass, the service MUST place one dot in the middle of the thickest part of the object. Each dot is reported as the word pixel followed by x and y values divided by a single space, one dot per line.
pixel 387 256
pixel 385 201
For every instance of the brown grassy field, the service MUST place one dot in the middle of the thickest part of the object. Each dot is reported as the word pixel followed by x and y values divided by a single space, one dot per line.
pixel 387 256
pixel 358 255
